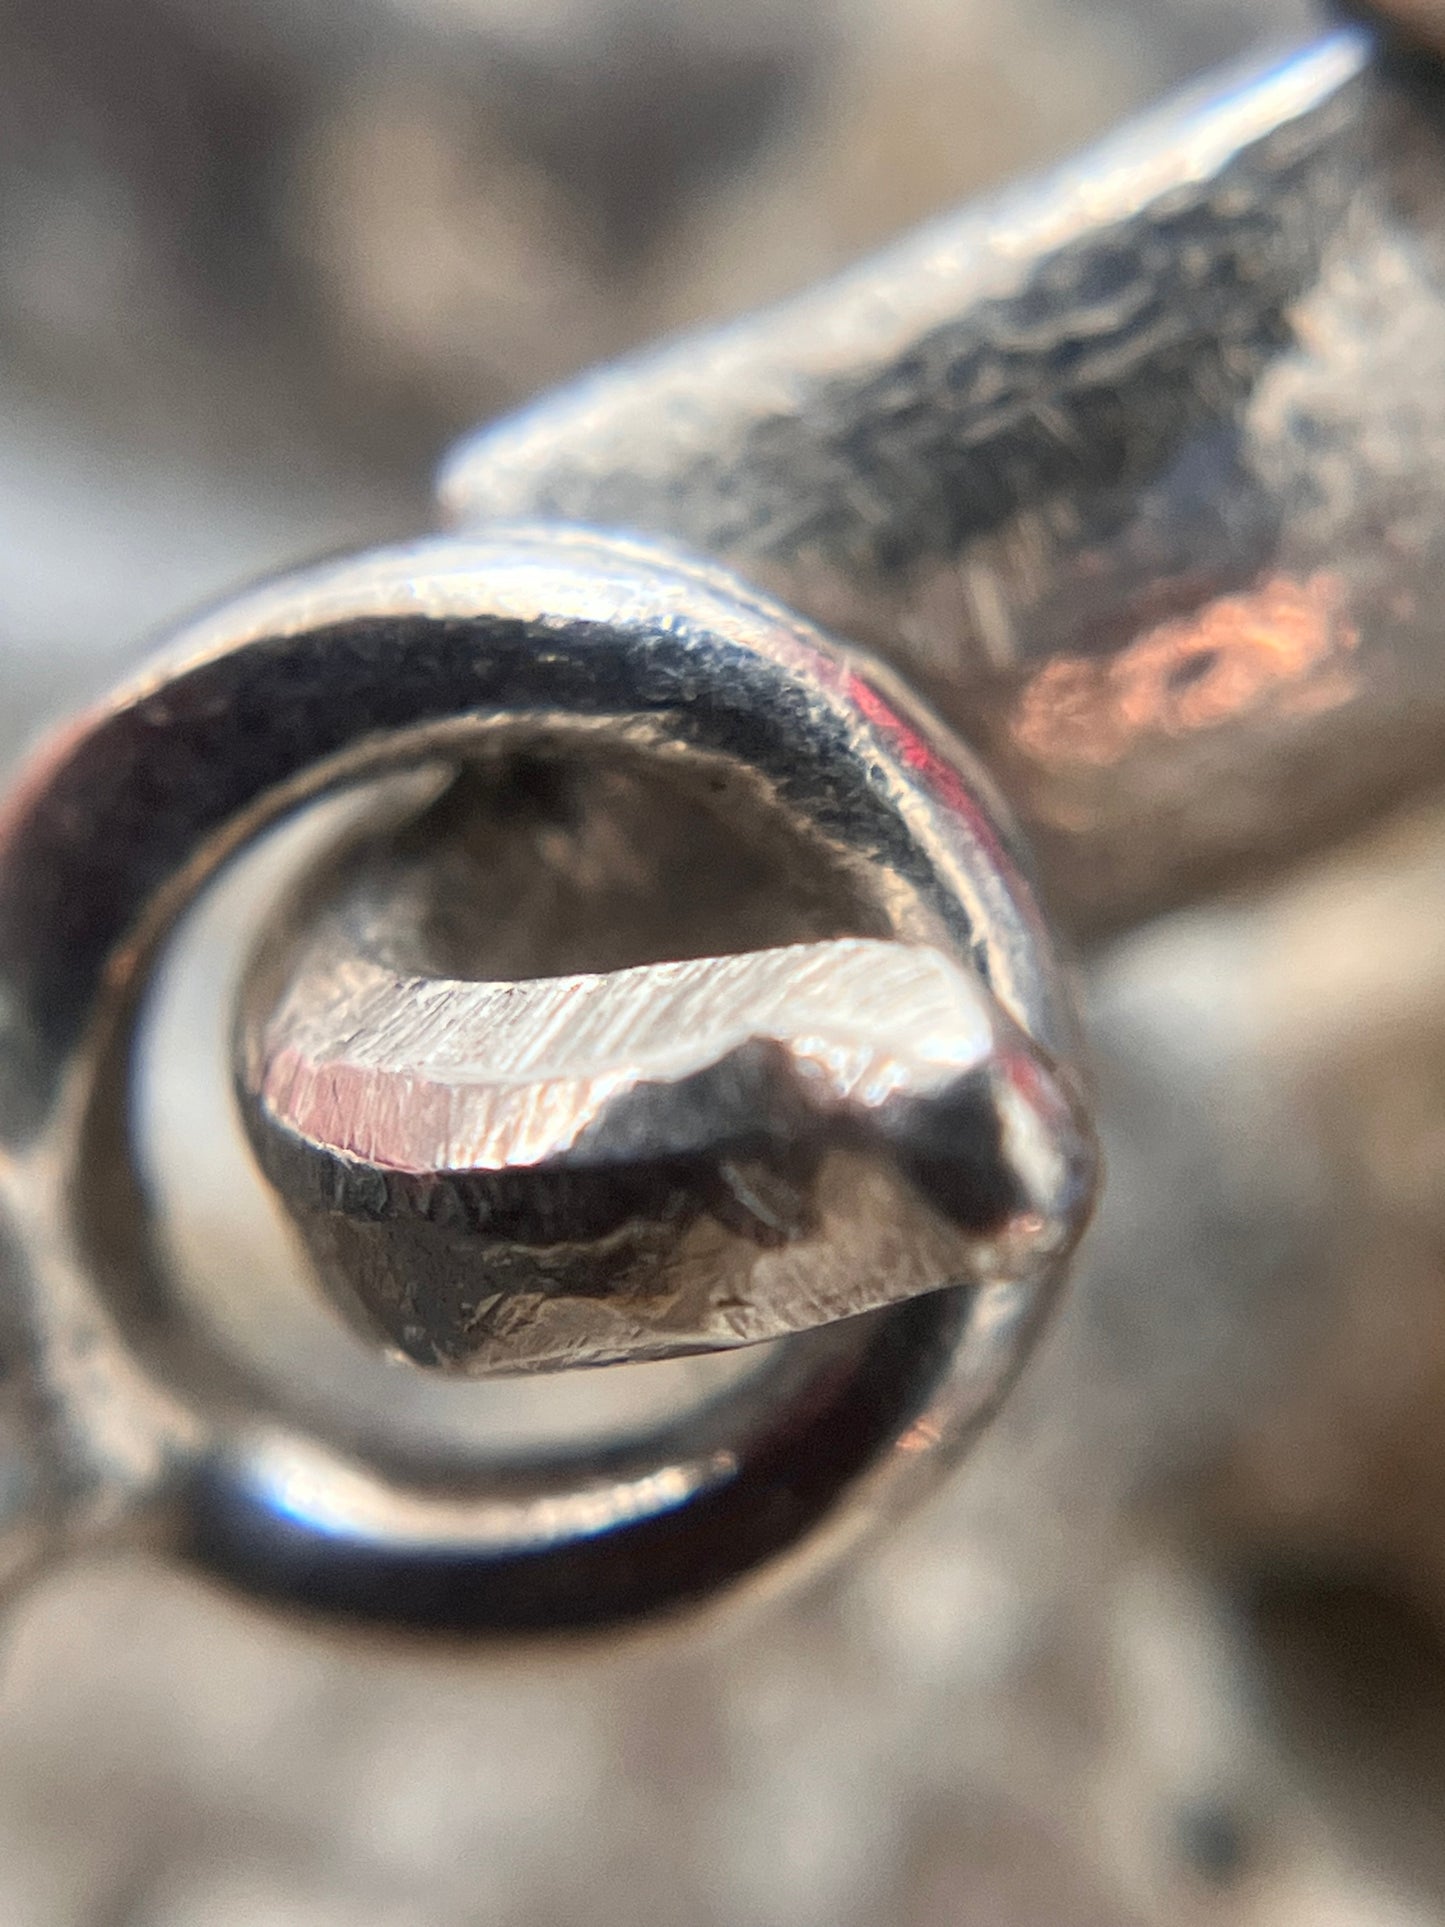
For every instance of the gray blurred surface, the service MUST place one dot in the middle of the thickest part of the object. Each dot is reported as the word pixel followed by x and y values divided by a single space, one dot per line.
pixel 261 263
pixel 1172 1650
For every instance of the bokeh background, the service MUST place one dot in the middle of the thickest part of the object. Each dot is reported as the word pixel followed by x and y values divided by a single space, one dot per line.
pixel 1172 1650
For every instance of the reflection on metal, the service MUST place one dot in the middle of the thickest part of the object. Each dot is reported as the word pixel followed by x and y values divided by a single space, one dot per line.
pixel 1285 646
pixel 705 1001
pixel 960 1200
pixel 580 1170
pixel 1191 376
pixel 322 1496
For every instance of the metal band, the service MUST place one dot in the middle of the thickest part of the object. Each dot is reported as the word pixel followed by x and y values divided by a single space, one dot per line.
pixel 351 670
pixel 1137 471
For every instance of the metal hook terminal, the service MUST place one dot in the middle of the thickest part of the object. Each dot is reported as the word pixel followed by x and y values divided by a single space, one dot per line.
pixel 680 1155
pixel 909 1082
pixel 1136 472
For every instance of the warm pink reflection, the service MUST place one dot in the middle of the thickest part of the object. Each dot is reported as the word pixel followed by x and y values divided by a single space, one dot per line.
pixel 1286 647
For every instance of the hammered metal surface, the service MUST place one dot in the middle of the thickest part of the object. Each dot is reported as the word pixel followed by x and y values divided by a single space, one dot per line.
pixel 1136 470
pixel 1028 1726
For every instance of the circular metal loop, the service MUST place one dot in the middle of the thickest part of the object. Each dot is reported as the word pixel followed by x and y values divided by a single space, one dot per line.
pixel 339 674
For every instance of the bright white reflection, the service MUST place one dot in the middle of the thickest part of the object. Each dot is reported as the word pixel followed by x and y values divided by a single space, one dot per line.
pixel 301 1482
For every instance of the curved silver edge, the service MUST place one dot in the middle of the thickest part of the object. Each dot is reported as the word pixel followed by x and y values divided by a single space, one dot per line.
pixel 140 1426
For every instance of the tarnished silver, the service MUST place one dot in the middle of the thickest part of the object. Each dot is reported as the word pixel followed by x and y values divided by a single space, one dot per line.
pixel 696 1152
pixel 1136 472
pixel 388 663
pixel 584 1170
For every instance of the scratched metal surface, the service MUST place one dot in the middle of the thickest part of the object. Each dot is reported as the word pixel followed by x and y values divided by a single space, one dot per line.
pixel 1040 1705
pixel 1136 469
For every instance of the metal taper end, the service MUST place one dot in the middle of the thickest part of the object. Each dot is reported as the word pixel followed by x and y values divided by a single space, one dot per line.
pixel 675 1157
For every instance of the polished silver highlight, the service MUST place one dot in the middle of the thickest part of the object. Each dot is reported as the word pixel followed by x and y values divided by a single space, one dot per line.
pixel 523 643
pixel 675 1157
pixel 1137 473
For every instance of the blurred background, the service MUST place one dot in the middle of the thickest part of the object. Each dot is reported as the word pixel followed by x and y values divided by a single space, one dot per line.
pixel 1172 1650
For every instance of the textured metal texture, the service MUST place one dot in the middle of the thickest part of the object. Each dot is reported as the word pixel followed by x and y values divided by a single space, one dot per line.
pixel 584 1170
pixel 1168 1651
pixel 389 662
pixel 1135 470
pixel 695 1152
